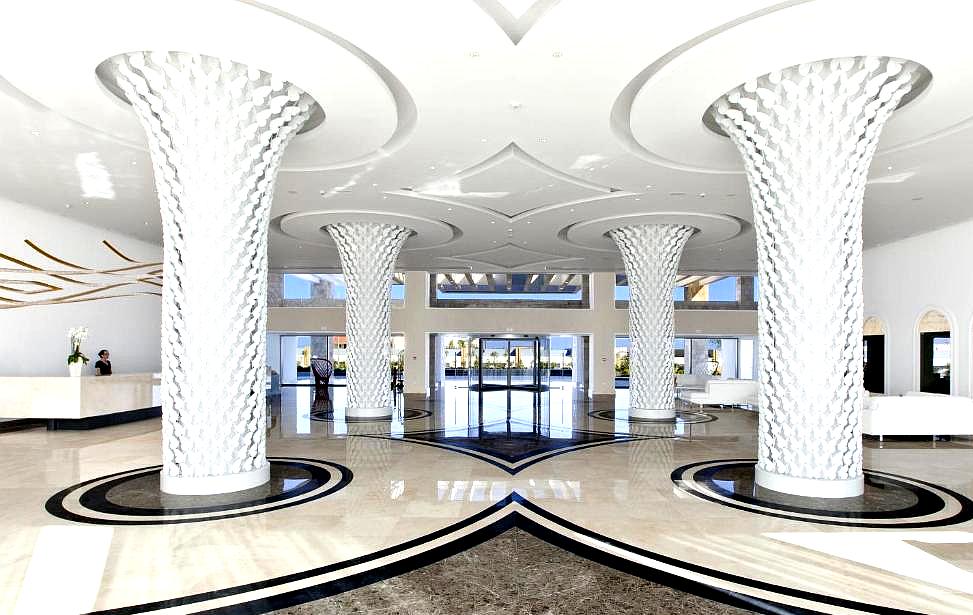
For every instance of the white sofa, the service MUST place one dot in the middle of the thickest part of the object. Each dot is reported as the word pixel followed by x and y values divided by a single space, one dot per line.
pixel 692 381
pixel 724 393
pixel 918 414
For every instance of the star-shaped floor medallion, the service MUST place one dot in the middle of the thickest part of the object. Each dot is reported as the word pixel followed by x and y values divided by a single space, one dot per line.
pixel 515 444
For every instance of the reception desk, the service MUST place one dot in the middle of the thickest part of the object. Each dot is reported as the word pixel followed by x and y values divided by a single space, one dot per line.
pixel 80 403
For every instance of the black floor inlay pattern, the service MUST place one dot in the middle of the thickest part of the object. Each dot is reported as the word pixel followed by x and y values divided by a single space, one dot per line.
pixel 889 500
pixel 328 415
pixel 515 572
pixel 682 416
pixel 513 445
pixel 134 497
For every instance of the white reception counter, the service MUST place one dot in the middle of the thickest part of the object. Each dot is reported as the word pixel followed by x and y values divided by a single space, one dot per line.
pixel 80 403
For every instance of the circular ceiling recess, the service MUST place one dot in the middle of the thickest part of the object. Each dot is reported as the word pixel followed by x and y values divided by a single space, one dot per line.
pixel 308 226
pixel 657 114
pixel 369 112
pixel 108 79
pixel 709 228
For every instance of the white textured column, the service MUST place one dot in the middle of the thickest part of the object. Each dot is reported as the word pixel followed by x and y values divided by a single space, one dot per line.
pixel 807 135
pixel 651 255
pixel 368 251
pixel 216 132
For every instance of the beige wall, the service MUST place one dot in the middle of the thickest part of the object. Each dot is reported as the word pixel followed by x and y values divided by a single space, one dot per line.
pixel 602 322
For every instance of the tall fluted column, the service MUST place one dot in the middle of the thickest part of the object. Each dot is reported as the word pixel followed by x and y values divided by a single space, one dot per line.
pixel 368 251
pixel 216 132
pixel 651 255
pixel 807 135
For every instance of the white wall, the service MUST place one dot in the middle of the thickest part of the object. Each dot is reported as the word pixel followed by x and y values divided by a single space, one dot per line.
pixel 33 340
pixel 602 322
pixel 905 278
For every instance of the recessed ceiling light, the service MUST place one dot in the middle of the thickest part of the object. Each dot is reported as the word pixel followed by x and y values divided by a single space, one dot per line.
pixel 493 221
pixel 528 222
pixel 889 167
pixel 322 192
pixel 449 209
pixel 134 162
pixel 299 246
pixel 374 185
pixel 572 210
pixel 67 205
pixel 494 241
pixel 701 195
pixel 432 168
pixel 649 186
pixel 483 140
pixel 510 230
pixel 146 224
pixel 637 199
pixel 384 196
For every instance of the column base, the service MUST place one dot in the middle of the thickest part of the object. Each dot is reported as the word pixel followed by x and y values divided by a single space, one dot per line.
pixel 810 487
pixel 383 412
pixel 657 414
pixel 213 485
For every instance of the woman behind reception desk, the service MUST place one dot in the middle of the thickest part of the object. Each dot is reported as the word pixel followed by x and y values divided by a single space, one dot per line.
pixel 103 364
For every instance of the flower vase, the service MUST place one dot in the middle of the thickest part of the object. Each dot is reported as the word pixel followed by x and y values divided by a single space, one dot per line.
pixel 75 369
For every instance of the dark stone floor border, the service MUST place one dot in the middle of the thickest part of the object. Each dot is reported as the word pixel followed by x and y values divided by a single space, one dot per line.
pixel 554 536
pixel 105 420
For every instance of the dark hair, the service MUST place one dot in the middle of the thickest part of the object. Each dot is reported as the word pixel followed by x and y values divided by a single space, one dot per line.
pixel 102 352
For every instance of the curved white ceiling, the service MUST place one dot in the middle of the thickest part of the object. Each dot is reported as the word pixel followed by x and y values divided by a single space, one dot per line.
pixel 495 125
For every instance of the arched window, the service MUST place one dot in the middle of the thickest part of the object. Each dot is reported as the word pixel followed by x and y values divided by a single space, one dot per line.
pixel 935 352
pixel 873 355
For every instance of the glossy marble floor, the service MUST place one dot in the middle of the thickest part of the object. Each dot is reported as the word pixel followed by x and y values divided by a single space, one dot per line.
pixel 507 503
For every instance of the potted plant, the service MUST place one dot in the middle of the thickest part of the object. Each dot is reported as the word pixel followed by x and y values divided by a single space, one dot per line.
pixel 77 360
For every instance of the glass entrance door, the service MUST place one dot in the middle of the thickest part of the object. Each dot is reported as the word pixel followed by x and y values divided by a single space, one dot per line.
pixel 494 362
pixel 511 363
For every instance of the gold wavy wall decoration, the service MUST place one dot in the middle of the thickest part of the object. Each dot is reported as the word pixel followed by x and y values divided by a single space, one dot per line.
pixel 29 285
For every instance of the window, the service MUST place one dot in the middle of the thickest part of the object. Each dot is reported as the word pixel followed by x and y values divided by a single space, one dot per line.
pixel 549 290
pixel 700 292
pixel 318 290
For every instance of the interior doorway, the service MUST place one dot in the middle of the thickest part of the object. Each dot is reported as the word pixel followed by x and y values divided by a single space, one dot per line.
pixel 873 353
pixel 935 352
pixel 520 363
